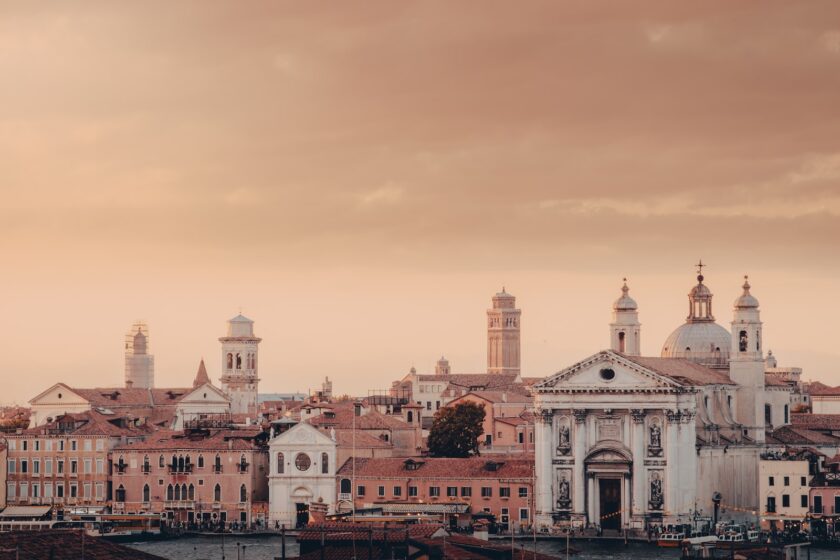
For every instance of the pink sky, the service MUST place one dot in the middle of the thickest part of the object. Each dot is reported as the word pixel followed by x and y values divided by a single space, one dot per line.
pixel 361 177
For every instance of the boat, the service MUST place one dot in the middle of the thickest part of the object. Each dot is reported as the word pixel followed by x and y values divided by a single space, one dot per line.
pixel 732 536
pixel 753 536
pixel 670 540
pixel 700 539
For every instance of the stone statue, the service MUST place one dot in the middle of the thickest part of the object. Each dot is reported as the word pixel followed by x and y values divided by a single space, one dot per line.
pixel 564 436
pixel 564 500
pixel 655 436
pixel 656 499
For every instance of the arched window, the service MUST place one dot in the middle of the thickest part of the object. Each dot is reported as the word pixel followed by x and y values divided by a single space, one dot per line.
pixel 217 464
pixel 162 462
pixel 325 463
pixel 729 402
pixel 217 493
pixel 243 494
pixel 229 361
pixel 174 463
pixel 183 491
pixel 238 360
pixel 187 463
pixel 243 463
pixel 191 492
pixel 201 461
pixel 181 464
pixel 742 341
pixel 787 413
pixel 121 493
pixel 345 485
pixel 170 493
pixel 621 342
pixel 281 464
pixel 145 492
pixel 177 492
pixel 146 465
pixel 758 341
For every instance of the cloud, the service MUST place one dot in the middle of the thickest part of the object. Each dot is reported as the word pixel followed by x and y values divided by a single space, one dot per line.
pixel 387 195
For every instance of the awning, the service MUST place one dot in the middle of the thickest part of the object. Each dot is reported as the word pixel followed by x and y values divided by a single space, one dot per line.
pixel 25 511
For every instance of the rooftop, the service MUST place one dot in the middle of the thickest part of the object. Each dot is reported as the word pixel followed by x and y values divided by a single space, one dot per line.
pixel 495 467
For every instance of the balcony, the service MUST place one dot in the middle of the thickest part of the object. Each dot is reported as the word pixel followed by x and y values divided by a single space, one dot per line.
pixel 242 467
pixel 345 496
pixel 825 510
pixel 180 469
pixel 119 468
pixel 179 504
pixel 146 469
pixel 771 508
pixel 217 468
pixel 119 506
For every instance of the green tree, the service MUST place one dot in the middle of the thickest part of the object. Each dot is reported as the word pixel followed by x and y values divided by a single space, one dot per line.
pixel 456 429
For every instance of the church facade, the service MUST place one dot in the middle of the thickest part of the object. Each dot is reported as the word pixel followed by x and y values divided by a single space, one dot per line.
pixel 625 441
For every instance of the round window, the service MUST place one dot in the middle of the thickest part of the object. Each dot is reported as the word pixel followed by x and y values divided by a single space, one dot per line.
pixel 303 462
pixel 607 374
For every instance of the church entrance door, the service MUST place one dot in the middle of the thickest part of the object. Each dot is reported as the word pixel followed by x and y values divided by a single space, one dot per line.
pixel 302 514
pixel 609 490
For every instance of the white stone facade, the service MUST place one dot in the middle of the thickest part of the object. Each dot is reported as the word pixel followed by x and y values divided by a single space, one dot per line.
pixel 240 378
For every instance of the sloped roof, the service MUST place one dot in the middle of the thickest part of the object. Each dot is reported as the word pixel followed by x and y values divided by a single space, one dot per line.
pixel 201 376
pixel 502 397
pixel 65 545
pixel 790 435
pixel 363 440
pixel 771 380
pixel 820 390
pixel 222 440
pixel 372 420
pixel 682 370
pixel 92 423
pixel 816 421
pixel 509 466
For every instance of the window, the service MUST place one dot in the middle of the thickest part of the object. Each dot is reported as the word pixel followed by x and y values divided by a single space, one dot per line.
pixel 787 410
pixel 486 492
pixel 146 492
pixel 24 466
pixel 410 417
pixel 504 492
pixel 380 491
pixel 803 500
pixel 61 445
pixel 488 439
pixel 281 464
pixel 768 415
pixel 74 466
pixel 88 466
pixel 397 491
pixel 88 445
pixel 37 445
pixel 24 489
pixel 360 491
pixel 607 374
pixel 771 481
pixel 59 466
pixel 451 491
pixel 437 405
pixel 48 466
pixel 412 491
pixel 36 466
pixel 191 494
pixel 428 405
pixel 86 489
pixel 100 445
pixel 74 490
pixel 787 481
pixel 201 461
pixel 48 489
pixel 217 493
pixel 36 490
pixel 785 500
pixel 818 504
pixel 434 491
pixel 120 495
pixel 170 492
pixel 25 445
pixel 11 467
pixel 59 489
pixel 325 463
pixel 523 491
pixel 10 491
pixel 466 491
pixel 303 462
pixel 523 514
pixel 100 466
pixel 74 445
pixel 521 437
pixel 803 481
pixel 243 494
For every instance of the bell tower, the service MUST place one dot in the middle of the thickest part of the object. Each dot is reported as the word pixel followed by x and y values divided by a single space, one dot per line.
pixel 625 329
pixel 503 342
pixel 139 364
pixel 746 364
pixel 239 365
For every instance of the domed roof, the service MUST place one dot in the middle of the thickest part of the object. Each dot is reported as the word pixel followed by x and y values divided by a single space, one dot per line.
pixel 625 302
pixel 706 343
pixel 747 300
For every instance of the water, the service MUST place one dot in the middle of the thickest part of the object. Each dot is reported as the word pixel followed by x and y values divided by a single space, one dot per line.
pixel 268 548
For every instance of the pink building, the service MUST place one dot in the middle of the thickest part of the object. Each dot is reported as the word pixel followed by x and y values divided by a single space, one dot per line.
pixel 65 463
pixel 508 420
pixel 824 499
pixel 200 475
pixel 500 487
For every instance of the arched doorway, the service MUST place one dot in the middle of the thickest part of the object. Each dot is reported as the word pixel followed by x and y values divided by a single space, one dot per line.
pixel 301 497
pixel 608 469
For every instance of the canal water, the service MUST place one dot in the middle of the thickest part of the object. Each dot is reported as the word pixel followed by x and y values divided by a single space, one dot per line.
pixel 268 548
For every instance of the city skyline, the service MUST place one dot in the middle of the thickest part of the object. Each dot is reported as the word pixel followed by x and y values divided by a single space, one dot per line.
pixel 361 180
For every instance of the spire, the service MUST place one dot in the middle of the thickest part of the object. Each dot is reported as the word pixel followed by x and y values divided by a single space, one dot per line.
pixel 747 300
pixel 201 376
pixel 625 302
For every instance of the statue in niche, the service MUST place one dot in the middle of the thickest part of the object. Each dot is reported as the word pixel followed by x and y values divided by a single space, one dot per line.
pixel 563 500
pixel 655 443
pixel 564 436
pixel 742 341
pixel 656 498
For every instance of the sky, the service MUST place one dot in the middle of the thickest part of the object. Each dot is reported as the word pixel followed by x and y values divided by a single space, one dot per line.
pixel 360 178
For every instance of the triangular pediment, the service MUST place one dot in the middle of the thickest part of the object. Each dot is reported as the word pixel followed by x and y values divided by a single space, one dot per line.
pixel 205 393
pixel 59 394
pixel 302 434
pixel 605 371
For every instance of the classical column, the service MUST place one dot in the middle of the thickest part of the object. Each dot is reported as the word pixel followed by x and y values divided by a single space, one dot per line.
pixel 639 500
pixel 688 462
pixel 543 454
pixel 671 486
pixel 590 498
pixel 579 474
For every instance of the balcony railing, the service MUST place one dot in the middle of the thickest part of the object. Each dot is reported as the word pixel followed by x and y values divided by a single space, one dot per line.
pixel 242 467
pixel 771 508
pixel 178 469
pixel 345 496
pixel 120 468
pixel 146 469
pixel 217 468
pixel 825 510
pixel 179 504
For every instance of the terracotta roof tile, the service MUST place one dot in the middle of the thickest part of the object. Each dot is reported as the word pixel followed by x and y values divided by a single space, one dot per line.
pixel 222 440
pixel 682 371
pixel 516 466
pixel 790 435
pixel 816 421
pixel 64 545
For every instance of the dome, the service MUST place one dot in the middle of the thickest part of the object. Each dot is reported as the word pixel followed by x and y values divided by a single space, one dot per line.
pixel 747 300
pixel 706 343
pixel 625 302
